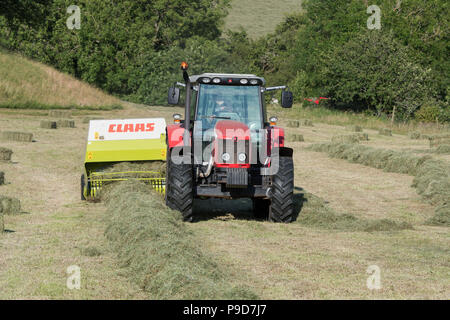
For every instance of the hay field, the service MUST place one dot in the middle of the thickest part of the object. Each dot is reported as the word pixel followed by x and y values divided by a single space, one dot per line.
pixel 350 217
pixel 259 17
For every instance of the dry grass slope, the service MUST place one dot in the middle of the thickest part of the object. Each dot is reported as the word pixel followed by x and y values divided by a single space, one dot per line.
pixel 32 85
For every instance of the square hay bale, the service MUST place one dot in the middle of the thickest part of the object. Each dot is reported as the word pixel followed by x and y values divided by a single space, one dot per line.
pixel 9 206
pixel 415 135
pixel 293 124
pixel 48 124
pixel 66 123
pixel 345 139
pixel 5 154
pixel 2 178
pixel 385 132
pixel 17 136
pixel 297 138
pixel 60 113
pixel 354 128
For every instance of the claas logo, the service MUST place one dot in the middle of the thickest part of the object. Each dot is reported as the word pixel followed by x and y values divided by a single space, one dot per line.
pixel 130 127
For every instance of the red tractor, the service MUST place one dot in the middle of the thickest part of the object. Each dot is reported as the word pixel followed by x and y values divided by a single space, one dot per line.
pixel 226 148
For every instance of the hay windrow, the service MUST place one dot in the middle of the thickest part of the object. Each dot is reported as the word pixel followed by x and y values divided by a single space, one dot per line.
pixel 432 177
pixel 316 213
pixel 159 252
pixel 9 206
pixel 5 154
pixel 345 139
pixel 48 124
pixel 2 178
pixel 443 149
pixel 2 222
pixel 16 136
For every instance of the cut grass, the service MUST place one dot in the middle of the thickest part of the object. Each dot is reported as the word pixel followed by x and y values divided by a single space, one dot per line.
pixel 159 252
pixel 314 212
pixel 259 17
pixel 432 177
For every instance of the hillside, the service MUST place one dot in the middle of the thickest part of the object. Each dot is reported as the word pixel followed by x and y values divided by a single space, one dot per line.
pixel 259 17
pixel 28 84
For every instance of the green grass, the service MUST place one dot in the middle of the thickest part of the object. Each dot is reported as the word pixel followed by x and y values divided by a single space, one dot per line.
pixel 259 17
pixel 160 253
pixel 25 84
pixel 315 213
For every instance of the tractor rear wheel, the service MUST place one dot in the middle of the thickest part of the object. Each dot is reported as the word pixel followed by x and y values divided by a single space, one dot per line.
pixel 180 189
pixel 282 205
pixel 261 208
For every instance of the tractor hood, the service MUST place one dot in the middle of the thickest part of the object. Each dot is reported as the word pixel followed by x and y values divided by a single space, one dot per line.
pixel 230 129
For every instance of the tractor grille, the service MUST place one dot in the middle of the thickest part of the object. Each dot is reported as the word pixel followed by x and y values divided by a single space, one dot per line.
pixel 234 148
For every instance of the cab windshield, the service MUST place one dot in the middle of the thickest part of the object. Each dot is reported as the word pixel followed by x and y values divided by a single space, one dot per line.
pixel 238 103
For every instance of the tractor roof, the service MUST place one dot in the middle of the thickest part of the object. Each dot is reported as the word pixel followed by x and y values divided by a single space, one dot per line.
pixel 195 78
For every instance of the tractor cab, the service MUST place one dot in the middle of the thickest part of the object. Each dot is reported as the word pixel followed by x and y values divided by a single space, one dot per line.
pixel 229 150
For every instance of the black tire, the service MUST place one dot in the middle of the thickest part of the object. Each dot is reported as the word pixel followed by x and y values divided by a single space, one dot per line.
pixel 180 189
pixel 261 208
pixel 282 204
pixel 83 183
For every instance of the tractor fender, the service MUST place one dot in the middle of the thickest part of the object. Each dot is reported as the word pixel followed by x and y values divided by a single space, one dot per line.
pixel 174 135
pixel 283 151
pixel 276 136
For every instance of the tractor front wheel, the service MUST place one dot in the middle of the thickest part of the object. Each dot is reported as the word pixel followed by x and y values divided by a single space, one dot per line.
pixel 282 205
pixel 180 188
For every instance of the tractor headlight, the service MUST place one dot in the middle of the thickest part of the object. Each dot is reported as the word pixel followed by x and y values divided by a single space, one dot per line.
pixel 254 81
pixel 216 80
pixel 226 157
pixel 244 81
pixel 206 80
pixel 242 157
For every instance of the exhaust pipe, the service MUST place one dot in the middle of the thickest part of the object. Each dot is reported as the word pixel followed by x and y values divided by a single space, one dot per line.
pixel 208 169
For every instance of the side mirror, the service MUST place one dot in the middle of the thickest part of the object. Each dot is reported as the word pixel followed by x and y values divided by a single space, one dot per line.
pixel 287 99
pixel 174 95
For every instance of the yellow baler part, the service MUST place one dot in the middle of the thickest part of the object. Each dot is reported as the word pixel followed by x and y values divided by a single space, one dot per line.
pixel 126 150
